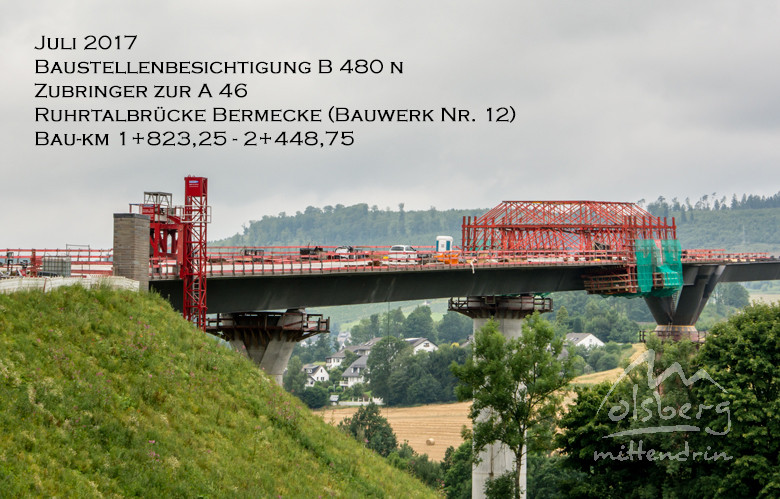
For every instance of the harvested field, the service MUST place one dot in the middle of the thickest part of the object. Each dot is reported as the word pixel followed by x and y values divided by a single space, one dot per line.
pixel 442 422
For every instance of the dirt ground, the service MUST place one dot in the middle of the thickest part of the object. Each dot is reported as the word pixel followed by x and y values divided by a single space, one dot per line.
pixel 443 422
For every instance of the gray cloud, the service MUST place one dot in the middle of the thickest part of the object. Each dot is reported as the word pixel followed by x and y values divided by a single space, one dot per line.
pixel 614 100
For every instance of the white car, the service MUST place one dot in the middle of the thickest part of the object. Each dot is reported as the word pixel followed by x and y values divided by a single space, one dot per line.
pixel 402 254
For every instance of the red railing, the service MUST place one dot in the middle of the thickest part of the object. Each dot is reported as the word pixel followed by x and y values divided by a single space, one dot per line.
pixel 238 261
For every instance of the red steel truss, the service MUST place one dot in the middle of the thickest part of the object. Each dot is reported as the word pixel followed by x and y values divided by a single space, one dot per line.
pixel 581 226
pixel 193 266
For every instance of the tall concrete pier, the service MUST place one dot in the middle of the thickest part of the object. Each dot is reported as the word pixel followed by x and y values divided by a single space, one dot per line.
pixel 509 312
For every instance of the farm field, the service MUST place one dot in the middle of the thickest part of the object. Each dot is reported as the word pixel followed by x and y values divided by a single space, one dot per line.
pixel 442 422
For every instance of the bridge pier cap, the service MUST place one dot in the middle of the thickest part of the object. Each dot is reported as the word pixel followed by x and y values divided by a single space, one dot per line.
pixel 268 338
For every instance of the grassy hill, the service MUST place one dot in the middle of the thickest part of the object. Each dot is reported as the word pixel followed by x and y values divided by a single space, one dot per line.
pixel 108 393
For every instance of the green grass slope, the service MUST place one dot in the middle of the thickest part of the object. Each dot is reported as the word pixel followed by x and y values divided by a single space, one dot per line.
pixel 106 393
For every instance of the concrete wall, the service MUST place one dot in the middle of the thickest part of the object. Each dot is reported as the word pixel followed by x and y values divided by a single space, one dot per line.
pixel 49 283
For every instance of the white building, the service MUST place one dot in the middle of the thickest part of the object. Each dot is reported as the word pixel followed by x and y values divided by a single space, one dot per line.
pixel 336 359
pixel 315 373
pixel 586 340
pixel 355 373
pixel 421 344
pixel 364 349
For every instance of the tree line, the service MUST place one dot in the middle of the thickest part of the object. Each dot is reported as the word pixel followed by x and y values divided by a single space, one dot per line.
pixel 711 202
pixel 400 378
pixel 351 225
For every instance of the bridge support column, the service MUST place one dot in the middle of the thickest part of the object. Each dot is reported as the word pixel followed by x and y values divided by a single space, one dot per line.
pixel 676 318
pixel 268 338
pixel 509 312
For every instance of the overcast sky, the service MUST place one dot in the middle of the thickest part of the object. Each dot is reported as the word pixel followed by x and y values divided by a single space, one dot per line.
pixel 614 100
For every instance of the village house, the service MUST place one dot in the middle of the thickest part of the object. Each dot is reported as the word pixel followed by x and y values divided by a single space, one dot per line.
pixel 421 345
pixel 586 340
pixel 363 349
pixel 315 373
pixel 355 373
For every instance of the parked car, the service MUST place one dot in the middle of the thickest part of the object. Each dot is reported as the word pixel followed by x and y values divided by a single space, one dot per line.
pixel 402 254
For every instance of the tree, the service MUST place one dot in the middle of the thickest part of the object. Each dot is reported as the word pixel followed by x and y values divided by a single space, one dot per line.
pixel 322 347
pixel 365 330
pixel 406 458
pixel 439 362
pixel 315 397
pixel 743 355
pixel 419 323
pixel 562 322
pixel 655 385
pixel 295 379
pixel 392 322
pixel 732 294
pixel 453 327
pixel 457 468
pixel 515 385
pixel 380 364
pixel 368 427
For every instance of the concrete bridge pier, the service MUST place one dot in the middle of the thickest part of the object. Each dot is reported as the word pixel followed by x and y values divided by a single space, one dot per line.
pixel 676 316
pixel 268 338
pixel 509 312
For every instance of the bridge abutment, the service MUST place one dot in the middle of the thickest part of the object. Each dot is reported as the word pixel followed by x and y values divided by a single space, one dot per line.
pixel 268 338
pixel 508 312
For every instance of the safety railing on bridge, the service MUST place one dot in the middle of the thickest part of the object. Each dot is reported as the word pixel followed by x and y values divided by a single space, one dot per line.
pixel 242 261
pixel 69 262
pixel 719 255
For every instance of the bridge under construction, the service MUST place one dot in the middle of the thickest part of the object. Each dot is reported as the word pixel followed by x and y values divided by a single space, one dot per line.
pixel 516 248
